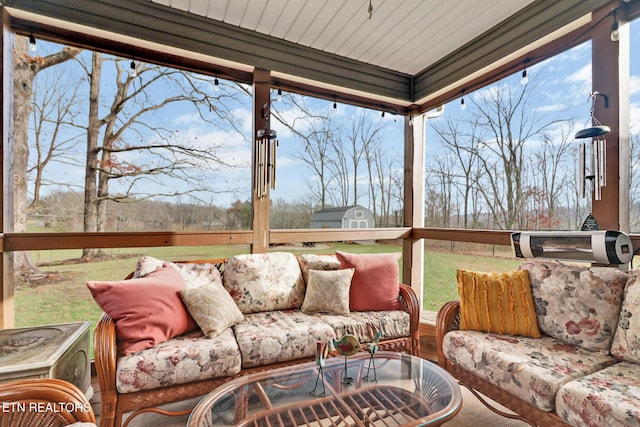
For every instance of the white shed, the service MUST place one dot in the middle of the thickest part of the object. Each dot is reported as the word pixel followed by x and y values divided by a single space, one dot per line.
pixel 346 217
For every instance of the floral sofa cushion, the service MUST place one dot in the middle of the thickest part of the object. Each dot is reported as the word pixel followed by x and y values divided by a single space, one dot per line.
pixel 576 304
pixel 264 282
pixel 533 369
pixel 364 324
pixel 194 274
pixel 317 262
pixel 180 360
pixel 626 342
pixel 279 336
pixel 606 398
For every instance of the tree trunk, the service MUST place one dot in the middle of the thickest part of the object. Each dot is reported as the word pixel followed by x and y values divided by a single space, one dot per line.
pixel 24 73
pixel 93 130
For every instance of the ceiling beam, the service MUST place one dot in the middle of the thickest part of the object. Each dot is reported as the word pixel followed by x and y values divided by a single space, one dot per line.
pixel 532 23
pixel 167 26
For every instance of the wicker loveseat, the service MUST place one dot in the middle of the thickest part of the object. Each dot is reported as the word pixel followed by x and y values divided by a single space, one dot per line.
pixel 277 326
pixel 583 370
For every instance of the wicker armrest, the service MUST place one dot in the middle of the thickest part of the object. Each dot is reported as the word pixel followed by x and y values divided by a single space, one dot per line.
pixel 105 352
pixel 448 320
pixel 411 305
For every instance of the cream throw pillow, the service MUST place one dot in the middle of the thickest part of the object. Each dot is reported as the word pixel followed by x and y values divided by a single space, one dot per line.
pixel 328 292
pixel 212 308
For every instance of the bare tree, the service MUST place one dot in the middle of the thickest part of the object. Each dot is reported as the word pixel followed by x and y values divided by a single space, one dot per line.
pixel 551 164
pixel 53 112
pixel 25 68
pixel 317 132
pixel 462 140
pixel 509 122
pixel 120 138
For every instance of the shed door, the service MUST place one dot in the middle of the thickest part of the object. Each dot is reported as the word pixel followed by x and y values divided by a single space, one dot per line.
pixel 358 223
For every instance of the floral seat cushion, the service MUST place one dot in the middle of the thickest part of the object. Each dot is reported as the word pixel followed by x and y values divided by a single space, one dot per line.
pixel 606 398
pixel 264 282
pixel 577 304
pixel 533 369
pixel 279 336
pixel 364 324
pixel 180 360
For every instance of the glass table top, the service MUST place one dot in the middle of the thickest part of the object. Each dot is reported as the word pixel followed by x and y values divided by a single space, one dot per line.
pixel 390 389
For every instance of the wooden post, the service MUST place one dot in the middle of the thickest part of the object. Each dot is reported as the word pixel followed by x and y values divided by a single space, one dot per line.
pixel 7 306
pixel 261 120
pixel 610 76
pixel 413 249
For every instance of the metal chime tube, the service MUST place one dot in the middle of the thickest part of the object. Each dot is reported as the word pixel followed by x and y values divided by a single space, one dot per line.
pixel 582 173
pixel 265 158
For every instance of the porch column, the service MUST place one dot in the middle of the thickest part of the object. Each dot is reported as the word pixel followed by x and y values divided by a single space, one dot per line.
pixel 261 120
pixel 413 249
pixel 7 306
pixel 610 76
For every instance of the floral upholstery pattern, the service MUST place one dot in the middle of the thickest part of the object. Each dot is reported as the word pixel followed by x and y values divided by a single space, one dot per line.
pixel 364 324
pixel 317 262
pixel 264 282
pixel 626 342
pixel 194 274
pixel 180 360
pixel 576 304
pixel 606 398
pixel 533 369
pixel 278 336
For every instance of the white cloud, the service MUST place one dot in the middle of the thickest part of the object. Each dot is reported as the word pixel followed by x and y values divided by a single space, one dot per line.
pixel 559 106
pixel 634 85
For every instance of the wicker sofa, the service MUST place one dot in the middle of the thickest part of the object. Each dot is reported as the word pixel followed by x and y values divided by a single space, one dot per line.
pixel 277 326
pixel 583 370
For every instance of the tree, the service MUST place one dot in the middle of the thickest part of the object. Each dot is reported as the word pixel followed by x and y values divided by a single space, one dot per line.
pixel 53 111
pixel 121 144
pixel 465 148
pixel 25 69
pixel 317 132
pixel 508 122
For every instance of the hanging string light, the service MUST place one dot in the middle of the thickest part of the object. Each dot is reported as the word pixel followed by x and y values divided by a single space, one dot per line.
pixel 132 69
pixel 32 43
pixel 615 33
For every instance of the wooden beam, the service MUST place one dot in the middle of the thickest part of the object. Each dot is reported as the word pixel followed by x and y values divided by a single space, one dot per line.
pixel 261 121
pixel 51 241
pixel 491 237
pixel 540 18
pixel 157 23
pixel 337 235
pixel 606 78
pixel 413 249
pixel 7 306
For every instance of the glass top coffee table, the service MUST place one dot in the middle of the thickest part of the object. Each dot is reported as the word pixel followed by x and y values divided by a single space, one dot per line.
pixel 395 390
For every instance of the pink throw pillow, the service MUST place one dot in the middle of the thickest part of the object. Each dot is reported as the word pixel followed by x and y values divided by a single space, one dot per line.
pixel 147 311
pixel 375 284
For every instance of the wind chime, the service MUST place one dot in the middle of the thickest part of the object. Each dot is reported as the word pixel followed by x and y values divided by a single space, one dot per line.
pixel 592 157
pixel 265 159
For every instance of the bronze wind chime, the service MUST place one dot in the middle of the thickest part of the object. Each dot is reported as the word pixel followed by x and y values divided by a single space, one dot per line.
pixel 265 161
pixel 592 157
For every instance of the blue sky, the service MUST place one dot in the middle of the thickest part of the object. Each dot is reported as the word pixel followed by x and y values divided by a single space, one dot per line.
pixel 563 85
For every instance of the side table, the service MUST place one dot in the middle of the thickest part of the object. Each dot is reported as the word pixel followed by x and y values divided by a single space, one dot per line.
pixel 48 351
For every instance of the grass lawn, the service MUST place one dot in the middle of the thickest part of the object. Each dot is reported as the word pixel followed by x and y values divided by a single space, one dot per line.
pixel 62 296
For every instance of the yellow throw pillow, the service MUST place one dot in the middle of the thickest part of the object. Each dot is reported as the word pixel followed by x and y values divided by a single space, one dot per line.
pixel 501 303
